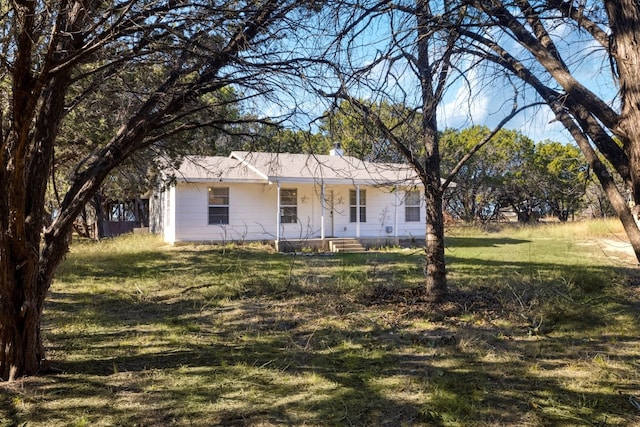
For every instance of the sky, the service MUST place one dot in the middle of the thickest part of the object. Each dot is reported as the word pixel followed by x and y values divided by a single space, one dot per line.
pixel 588 62
pixel 481 97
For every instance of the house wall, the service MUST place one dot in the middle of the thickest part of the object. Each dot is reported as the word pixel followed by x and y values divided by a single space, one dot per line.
pixel 169 217
pixel 253 216
pixel 250 213
pixel 384 208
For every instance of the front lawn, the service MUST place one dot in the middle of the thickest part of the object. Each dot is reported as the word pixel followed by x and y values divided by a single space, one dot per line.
pixel 541 330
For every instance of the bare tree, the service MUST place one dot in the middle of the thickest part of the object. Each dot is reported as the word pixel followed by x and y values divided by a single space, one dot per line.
pixel 365 64
pixel 53 56
pixel 547 45
pixel 402 56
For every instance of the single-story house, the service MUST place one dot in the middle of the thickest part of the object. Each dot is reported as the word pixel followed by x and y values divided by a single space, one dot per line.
pixel 285 198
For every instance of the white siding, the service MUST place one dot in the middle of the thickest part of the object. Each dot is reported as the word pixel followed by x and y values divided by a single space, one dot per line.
pixel 169 201
pixel 309 213
pixel 251 211
pixel 385 208
pixel 405 229
pixel 253 216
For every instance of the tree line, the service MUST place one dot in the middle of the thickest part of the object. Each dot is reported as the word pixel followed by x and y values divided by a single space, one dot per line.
pixel 532 180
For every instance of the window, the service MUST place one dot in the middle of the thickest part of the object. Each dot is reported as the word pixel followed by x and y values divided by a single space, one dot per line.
pixel 353 205
pixel 288 206
pixel 218 205
pixel 412 206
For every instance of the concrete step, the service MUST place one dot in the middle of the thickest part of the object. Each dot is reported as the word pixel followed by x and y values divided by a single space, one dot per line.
pixel 346 246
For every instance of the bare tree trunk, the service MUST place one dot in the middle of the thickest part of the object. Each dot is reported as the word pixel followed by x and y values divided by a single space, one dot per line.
pixel 435 269
pixel 624 19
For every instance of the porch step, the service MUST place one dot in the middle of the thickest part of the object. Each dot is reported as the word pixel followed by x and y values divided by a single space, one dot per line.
pixel 350 246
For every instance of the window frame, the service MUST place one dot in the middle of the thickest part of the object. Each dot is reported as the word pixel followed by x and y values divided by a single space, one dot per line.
pixel 288 210
pixel 220 206
pixel 353 206
pixel 412 202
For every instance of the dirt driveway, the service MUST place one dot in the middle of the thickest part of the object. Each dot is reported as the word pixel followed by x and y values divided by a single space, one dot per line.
pixel 618 249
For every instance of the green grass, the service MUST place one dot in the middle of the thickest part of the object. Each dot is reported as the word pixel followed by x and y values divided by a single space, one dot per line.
pixel 540 330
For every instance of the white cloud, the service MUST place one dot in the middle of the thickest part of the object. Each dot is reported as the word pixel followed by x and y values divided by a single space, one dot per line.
pixel 466 103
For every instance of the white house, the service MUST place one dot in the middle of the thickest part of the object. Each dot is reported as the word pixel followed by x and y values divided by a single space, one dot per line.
pixel 252 196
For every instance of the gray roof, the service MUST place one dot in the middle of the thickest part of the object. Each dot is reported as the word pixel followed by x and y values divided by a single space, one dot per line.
pixel 243 166
pixel 216 168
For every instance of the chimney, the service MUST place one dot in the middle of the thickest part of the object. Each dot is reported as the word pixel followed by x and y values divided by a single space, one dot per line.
pixel 336 150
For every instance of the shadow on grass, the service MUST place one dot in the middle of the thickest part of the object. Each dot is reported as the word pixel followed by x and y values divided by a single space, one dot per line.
pixel 181 352
pixel 253 363
pixel 371 381
pixel 480 242
pixel 205 260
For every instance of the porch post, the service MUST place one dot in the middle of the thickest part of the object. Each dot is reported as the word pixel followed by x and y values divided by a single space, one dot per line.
pixel 358 211
pixel 395 213
pixel 278 211
pixel 323 201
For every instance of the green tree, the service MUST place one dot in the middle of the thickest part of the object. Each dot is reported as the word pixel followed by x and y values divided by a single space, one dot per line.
pixel 275 138
pixel 363 138
pixel 513 172
pixel 548 46
pixel 90 123
pixel 490 179
pixel 562 177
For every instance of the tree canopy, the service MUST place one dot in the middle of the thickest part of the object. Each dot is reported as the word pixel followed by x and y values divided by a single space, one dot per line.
pixel 157 70
pixel 548 50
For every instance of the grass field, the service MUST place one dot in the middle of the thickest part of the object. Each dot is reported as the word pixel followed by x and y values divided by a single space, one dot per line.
pixel 541 330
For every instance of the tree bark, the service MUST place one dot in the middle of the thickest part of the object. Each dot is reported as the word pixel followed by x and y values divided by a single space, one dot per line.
pixel 435 265
pixel 624 21
pixel 37 108
pixel 21 319
pixel 435 268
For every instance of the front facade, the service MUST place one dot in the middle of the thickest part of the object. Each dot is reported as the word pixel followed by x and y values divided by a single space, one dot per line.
pixel 288 197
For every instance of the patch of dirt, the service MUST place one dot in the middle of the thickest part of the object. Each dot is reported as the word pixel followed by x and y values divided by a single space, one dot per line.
pixel 618 250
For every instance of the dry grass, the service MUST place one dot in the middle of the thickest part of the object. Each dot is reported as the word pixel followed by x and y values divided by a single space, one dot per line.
pixel 541 329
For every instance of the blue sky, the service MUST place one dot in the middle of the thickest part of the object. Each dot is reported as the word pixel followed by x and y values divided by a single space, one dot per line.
pixel 588 62
pixel 483 99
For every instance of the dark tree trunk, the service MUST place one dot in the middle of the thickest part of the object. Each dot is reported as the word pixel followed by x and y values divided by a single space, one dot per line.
pixel 49 40
pixel 435 265
pixel 624 20
pixel 21 319
pixel 26 153
pixel 435 268
pixel 99 220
